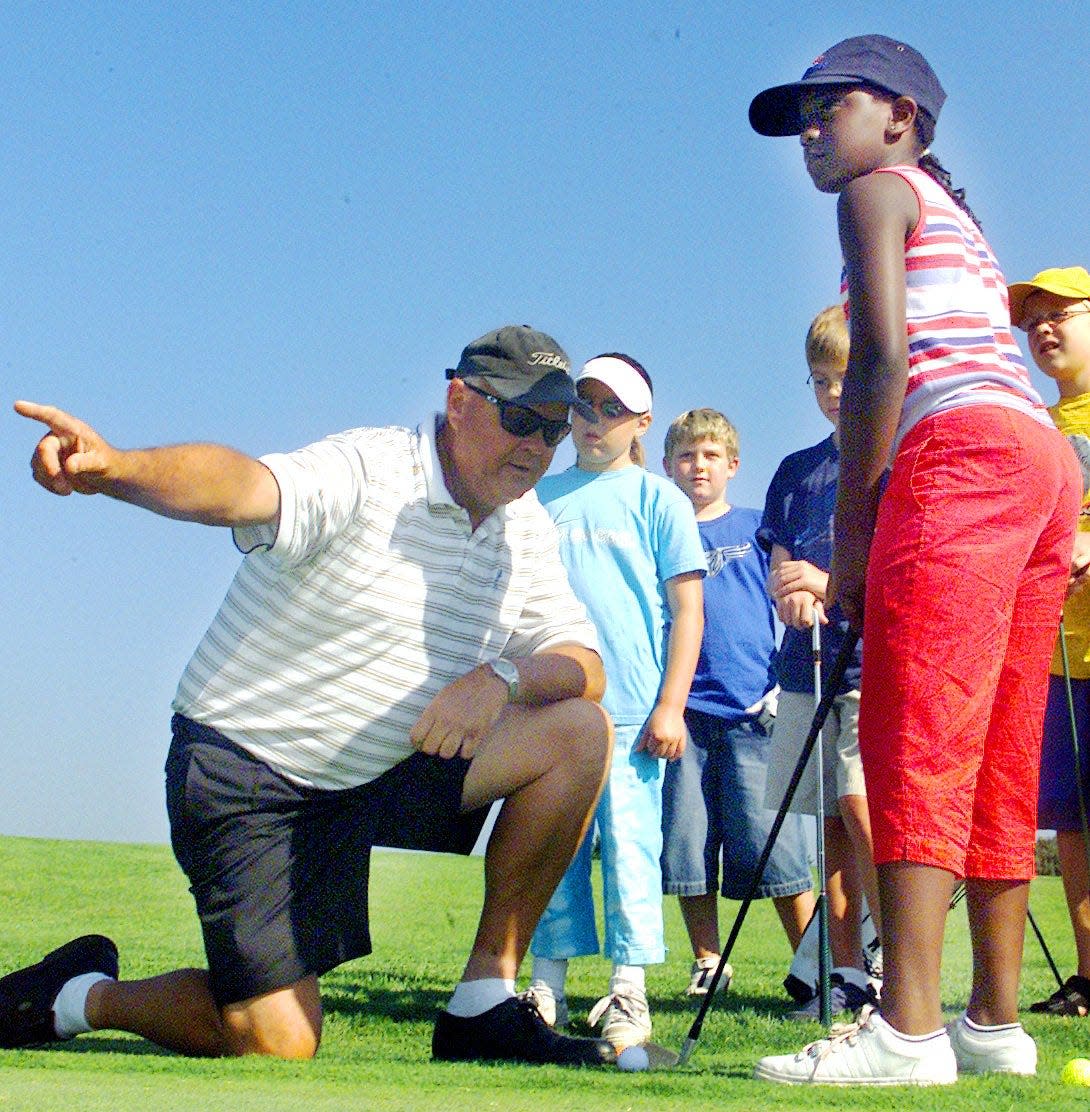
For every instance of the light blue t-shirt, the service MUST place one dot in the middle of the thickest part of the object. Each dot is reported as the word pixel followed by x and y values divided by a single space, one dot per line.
pixel 622 535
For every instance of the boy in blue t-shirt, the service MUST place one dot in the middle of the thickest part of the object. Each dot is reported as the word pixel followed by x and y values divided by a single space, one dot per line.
pixel 797 529
pixel 713 796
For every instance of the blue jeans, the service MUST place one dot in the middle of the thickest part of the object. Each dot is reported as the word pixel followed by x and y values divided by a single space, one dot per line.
pixel 629 822
pixel 713 803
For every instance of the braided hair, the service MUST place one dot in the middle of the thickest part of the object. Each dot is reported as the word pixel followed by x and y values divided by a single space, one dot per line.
pixel 925 131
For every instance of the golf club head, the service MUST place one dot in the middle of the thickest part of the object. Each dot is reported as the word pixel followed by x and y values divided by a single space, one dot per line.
pixel 660 1057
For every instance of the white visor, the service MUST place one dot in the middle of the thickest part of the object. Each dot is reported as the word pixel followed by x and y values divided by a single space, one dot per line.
pixel 622 378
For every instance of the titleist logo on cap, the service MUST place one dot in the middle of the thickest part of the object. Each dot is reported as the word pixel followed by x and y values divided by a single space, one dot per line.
pixel 548 359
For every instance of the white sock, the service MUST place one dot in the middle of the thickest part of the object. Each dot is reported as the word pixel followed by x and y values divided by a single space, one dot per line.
pixel 477 997
pixel 70 1007
pixel 630 974
pixel 991 1029
pixel 912 1038
pixel 553 971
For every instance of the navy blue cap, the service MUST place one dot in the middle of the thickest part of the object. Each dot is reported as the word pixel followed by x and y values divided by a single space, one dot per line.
pixel 864 60
pixel 522 366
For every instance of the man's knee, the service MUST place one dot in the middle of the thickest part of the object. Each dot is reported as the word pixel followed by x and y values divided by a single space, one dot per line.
pixel 585 736
pixel 285 1023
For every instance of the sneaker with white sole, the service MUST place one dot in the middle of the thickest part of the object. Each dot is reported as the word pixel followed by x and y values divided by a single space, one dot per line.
pixel 700 977
pixel 625 1016
pixel 1006 1049
pixel 553 1008
pixel 869 1052
pixel 849 991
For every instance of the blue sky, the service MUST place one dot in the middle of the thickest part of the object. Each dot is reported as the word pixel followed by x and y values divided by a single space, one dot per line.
pixel 259 224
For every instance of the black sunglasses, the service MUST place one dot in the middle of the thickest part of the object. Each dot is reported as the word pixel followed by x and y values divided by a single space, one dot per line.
pixel 520 421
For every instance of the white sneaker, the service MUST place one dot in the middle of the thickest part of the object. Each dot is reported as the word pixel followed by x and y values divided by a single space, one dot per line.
pixel 1006 1049
pixel 701 976
pixel 625 1014
pixel 552 1008
pixel 869 1052
pixel 849 991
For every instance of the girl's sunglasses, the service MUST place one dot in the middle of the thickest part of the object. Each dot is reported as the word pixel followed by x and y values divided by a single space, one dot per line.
pixel 520 421
pixel 611 409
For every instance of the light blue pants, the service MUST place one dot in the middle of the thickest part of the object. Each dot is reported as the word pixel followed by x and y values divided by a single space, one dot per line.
pixel 629 822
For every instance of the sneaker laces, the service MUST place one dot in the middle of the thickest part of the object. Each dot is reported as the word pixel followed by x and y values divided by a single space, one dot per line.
pixel 630 1002
pixel 841 1035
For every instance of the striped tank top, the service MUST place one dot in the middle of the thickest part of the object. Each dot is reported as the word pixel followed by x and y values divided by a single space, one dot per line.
pixel 960 347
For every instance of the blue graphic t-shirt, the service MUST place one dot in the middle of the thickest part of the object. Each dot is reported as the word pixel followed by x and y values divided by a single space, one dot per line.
pixel 799 516
pixel 622 535
pixel 736 666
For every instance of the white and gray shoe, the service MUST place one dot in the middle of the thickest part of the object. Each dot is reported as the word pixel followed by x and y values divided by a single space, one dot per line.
pixel 849 991
pixel 700 977
pixel 624 1014
pixel 552 1008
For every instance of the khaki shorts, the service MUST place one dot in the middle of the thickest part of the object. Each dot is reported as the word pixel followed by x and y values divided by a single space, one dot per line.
pixel 840 752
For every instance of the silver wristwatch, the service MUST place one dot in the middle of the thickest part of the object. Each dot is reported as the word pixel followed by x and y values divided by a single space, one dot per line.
pixel 507 672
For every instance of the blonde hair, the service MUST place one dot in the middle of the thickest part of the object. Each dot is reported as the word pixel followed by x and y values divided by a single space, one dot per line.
pixel 827 339
pixel 701 424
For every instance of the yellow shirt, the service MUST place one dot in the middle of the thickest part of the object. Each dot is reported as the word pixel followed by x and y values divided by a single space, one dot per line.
pixel 1072 417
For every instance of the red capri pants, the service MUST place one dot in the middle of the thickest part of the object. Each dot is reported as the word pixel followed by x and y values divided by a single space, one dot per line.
pixel 965 586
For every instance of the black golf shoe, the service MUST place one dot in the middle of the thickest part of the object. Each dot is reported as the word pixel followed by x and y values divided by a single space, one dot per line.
pixel 514 1031
pixel 27 995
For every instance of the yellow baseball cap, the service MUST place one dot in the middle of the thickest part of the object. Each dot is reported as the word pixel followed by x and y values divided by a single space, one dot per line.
pixel 1064 281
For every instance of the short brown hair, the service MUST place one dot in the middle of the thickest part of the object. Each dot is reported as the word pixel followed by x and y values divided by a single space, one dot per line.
pixel 827 339
pixel 701 424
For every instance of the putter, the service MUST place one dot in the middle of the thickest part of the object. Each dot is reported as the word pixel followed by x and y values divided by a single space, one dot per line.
pixel 832 683
pixel 825 999
pixel 660 1057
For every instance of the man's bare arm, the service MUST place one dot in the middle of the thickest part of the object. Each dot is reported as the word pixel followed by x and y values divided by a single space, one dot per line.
pixel 206 483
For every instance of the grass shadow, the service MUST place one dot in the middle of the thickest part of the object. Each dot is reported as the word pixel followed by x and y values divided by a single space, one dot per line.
pixel 403 1004
pixel 109 1044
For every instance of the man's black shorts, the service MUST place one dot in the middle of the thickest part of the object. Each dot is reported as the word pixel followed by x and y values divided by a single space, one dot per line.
pixel 279 872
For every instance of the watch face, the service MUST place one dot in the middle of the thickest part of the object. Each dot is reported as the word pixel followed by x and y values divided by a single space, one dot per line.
pixel 508 673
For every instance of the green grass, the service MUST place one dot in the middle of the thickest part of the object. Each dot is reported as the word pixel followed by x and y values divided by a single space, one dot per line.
pixel 375 1048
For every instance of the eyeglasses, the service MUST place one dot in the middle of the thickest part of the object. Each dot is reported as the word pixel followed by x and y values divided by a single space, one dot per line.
pixel 1031 324
pixel 610 408
pixel 520 421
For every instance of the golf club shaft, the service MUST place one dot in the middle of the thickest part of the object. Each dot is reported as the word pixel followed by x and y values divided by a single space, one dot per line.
pixel 825 1005
pixel 832 683
pixel 1044 948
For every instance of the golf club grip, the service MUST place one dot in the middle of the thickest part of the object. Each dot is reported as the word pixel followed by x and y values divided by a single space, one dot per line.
pixel 829 689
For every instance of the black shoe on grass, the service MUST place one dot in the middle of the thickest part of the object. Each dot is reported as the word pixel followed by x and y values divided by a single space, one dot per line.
pixel 27 995
pixel 1071 998
pixel 513 1031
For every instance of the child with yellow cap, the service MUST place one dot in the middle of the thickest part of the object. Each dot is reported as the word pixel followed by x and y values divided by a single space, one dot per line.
pixel 1054 309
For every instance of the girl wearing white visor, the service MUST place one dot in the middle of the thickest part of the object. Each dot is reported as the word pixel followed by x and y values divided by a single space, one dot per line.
pixel 630 544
